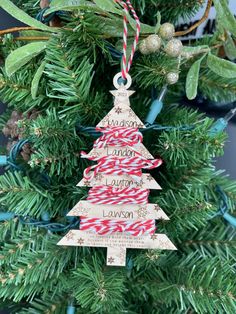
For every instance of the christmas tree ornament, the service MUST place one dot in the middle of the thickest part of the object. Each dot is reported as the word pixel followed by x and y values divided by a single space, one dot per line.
pixel 174 47
pixel 116 213
pixel 143 47
pixel 167 31
pixel 172 77
pixel 153 43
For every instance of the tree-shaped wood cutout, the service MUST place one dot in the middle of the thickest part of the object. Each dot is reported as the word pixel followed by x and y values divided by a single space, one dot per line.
pixel 121 115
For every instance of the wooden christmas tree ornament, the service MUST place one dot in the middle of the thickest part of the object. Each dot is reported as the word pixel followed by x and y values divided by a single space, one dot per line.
pixel 116 214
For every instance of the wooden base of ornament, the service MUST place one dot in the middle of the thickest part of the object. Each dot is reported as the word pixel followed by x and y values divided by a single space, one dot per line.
pixel 117 243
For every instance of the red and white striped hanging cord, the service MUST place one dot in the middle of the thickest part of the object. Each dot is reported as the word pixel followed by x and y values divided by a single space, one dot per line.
pixel 127 64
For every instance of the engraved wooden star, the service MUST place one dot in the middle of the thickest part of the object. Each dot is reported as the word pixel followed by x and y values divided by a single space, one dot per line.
pixel 118 110
pixel 111 260
pixel 154 237
pixel 149 178
pixel 80 207
pixel 70 236
pixel 80 241
pixel 142 213
pixel 83 211
pixel 95 154
pixel 86 183
pixel 99 177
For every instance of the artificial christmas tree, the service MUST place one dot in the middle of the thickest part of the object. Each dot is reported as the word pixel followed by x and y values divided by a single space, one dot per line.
pixel 63 73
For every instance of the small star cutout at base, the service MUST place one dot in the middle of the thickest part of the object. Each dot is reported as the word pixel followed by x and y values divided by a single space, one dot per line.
pixel 111 260
pixel 149 178
pixel 154 237
pixel 80 241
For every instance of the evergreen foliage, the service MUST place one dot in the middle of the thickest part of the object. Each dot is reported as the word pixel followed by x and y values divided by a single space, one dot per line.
pixel 80 59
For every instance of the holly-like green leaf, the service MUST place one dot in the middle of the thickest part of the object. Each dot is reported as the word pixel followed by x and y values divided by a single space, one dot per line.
pixel 36 79
pixel 145 28
pixel 109 6
pixel 23 55
pixel 33 33
pixel 71 5
pixel 225 16
pixel 67 2
pixel 221 67
pixel 20 15
pixel 230 48
pixel 192 79
pixel 189 50
pixel 158 23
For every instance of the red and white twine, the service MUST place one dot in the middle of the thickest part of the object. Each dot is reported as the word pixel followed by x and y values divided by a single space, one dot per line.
pixel 114 196
pixel 118 166
pixel 126 65
pixel 119 136
pixel 108 195
pixel 107 226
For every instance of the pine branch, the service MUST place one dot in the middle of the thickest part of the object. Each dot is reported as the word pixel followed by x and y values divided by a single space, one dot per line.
pixel 55 144
pixel 70 78
pixel 20 292
pixel 16 91
pixel 151 71
pixel 220 242
pixel 46 306
pixel 201 284
pixel 99 291
pixel 62 164
pixel 217 88
pixel 67 80
pixel 170 11
pixel 50 130
pixel 21 196
pixel 42 254
pixel 31 6
pixel 10 229
pixel 176 146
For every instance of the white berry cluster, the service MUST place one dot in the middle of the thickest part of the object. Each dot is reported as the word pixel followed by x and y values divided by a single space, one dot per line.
pixel 172 46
